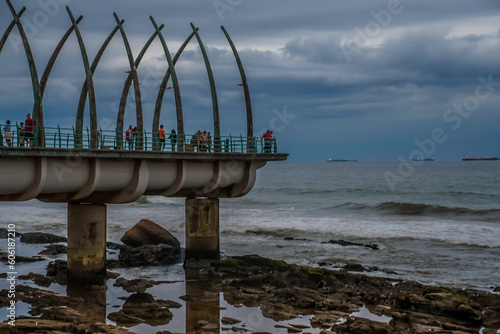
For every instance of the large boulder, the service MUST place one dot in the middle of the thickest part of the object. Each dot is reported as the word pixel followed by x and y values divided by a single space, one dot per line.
pixel 147 232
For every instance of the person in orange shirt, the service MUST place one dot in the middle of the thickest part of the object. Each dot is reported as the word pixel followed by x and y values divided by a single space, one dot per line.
pixel 161 135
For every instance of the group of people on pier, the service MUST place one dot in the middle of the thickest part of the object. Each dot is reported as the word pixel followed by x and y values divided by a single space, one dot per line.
pixel 201 141
pixel 131 138
pixel 162 138
pixel 24 131
pixel 26 135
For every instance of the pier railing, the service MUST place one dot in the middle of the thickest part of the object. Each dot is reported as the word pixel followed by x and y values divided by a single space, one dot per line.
pixel 68 138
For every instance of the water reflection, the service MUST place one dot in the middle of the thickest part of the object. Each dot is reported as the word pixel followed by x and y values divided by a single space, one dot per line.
pixel 202 305
pixel 90 303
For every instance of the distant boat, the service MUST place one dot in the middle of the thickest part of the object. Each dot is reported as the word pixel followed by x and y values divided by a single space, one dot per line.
pixel 485 158
pixel 426 159
pixel 340 160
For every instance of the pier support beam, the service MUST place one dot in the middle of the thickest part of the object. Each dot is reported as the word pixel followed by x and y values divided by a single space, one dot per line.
pixel 202 231
pixel 86 246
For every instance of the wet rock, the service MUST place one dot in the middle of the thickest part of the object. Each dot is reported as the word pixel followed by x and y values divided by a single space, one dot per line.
pixel 121 317
pixel 354 267
pixel 135 285
pixel 62 313
pixel 349 243
pixel 112 245
pixel 295 239
pixel 4 233
pixel 37 325
pixel 59 270
pixel 149 255
pixel 147 232
pixel 54 249
pixel 142 307
pixel 363 326
pixel 112 264
pixel 102 328
pixel 299 326
pixel 4 257
pixel 336 295
pixel 41 238
pixel 38 279
pixel 229 321
pixel 110 274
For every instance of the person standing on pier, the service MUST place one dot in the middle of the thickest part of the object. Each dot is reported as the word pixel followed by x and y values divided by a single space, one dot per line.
pixel 134 137
pixel 29 123
pixel 173 139
pixel 20 135
pixel 7 131
pixel 268 138
pixel 128 137
pixel 161 135
pixel 209 142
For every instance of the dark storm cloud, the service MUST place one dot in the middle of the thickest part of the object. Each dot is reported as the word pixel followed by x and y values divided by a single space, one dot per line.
pixel 396 81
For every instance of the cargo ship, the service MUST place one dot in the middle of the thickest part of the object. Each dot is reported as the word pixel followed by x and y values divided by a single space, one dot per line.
pixel 485 158
pixel 340 160
pixel 426 159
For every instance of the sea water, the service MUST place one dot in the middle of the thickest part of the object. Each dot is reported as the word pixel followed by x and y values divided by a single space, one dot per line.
pixel 438 223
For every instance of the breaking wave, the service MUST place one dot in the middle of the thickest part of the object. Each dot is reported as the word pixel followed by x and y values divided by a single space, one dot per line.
pixel 417 209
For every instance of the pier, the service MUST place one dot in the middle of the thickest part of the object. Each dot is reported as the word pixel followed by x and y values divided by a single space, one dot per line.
pixel 90 168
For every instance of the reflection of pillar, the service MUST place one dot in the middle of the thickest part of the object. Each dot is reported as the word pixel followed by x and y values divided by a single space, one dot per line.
pixel 202 307
pixel 86 245
pixel 202 230
pixel 90 303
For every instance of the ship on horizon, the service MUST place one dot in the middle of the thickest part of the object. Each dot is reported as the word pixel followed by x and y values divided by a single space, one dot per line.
pixel 485 158
pixel 340 160
pixel 425 159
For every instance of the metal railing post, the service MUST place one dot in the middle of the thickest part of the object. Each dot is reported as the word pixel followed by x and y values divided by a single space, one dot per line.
pixel 59 132
pixel 88 137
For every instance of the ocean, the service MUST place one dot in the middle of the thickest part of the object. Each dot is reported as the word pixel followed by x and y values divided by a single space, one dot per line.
pixel 437 223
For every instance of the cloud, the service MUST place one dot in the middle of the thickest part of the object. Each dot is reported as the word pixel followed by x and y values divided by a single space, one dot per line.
pixel 398 83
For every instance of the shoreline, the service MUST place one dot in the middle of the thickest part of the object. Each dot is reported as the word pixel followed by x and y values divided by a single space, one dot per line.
pixel 291 298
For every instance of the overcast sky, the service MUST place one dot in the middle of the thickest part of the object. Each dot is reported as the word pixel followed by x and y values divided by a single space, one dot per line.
pixel 376 80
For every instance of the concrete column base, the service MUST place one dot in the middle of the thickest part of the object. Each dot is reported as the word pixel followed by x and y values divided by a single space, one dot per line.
pixel 202 232
pixel 86 246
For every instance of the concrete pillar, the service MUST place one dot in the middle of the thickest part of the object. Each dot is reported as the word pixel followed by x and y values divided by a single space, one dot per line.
pixel 86 246
pixel 202 231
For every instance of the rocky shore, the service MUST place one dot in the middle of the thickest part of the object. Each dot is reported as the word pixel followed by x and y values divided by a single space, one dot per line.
pixel 336 301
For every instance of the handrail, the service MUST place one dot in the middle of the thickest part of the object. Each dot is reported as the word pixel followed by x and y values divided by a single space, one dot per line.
pixel 66 138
